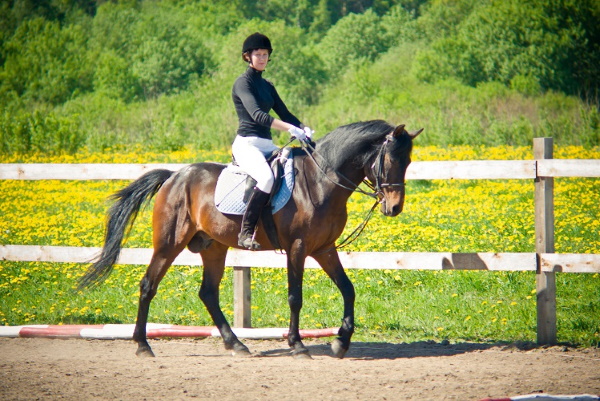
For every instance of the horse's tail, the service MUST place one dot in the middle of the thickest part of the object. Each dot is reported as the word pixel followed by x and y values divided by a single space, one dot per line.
pixel 120 219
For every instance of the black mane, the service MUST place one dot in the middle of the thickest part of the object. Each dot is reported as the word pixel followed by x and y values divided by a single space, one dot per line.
pixel 359 143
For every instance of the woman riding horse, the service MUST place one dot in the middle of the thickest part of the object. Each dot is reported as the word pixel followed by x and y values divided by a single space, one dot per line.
pixel 253 97
pixel 308 225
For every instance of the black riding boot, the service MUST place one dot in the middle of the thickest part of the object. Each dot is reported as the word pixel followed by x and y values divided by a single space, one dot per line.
pixel 257 201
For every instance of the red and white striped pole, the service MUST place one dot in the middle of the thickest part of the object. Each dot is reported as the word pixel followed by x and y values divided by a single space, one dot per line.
pixel 153 330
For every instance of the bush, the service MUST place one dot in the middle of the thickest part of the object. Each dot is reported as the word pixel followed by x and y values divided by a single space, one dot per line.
pixel 114 78
pixel 169 56
pixel 156 52
pixel 39 132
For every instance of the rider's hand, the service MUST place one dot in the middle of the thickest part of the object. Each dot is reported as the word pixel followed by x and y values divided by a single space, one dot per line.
pixel 297 133
pixel 309 132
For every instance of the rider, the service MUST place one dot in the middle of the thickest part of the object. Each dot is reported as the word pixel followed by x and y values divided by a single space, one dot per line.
pixel 253 98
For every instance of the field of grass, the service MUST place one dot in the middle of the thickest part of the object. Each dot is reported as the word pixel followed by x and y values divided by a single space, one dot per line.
pixel 460 215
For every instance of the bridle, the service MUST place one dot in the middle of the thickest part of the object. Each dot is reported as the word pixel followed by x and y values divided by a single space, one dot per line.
pixel 378 172
pixel 377 168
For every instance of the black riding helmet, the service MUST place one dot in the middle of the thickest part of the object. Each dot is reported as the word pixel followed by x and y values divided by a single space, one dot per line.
pixel 257 41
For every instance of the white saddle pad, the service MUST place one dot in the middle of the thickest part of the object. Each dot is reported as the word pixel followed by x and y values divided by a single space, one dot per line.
pixel 229 193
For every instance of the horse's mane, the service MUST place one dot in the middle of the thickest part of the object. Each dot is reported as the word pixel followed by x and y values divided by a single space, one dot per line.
pixel 357 143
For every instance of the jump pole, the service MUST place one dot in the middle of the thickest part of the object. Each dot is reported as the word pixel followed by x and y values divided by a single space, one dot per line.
pixel 154 330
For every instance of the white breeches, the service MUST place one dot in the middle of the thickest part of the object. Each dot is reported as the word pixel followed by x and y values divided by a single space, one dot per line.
pixel 249 153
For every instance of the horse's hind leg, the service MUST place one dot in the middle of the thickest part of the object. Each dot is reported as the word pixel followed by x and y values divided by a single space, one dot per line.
pixel 213 259
pixel 330 262
pixel 148 286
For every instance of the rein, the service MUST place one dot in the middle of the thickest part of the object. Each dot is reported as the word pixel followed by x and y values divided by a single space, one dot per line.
pixel 339 184
pixel 377 188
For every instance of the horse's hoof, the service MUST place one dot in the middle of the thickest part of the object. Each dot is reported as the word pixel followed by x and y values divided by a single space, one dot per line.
pixel 301 354
pixel 144 352
pixel 241 353
pixel 338 349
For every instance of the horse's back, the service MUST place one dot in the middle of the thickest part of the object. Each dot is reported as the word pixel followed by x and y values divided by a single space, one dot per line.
pixel 204 173
pixel 189 184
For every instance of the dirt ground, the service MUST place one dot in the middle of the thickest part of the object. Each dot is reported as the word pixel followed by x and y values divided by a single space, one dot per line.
pixel 76 369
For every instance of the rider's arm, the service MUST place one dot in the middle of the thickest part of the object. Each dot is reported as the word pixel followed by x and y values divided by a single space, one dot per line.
pixel 281 125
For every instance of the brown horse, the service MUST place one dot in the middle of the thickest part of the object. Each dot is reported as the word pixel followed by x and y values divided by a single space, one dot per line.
pixel 308 225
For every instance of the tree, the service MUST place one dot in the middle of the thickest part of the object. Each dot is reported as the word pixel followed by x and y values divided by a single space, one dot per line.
pixel 552 42
pixel 45 62
pixel 353 38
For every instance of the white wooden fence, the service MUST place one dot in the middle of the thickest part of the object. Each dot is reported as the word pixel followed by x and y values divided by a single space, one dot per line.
pixel 543 169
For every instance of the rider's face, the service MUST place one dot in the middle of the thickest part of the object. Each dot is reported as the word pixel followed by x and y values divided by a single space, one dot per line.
pixel 259 59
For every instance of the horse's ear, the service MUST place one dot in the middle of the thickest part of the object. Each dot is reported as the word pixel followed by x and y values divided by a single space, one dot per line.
pixel 398 131
pixel 414 134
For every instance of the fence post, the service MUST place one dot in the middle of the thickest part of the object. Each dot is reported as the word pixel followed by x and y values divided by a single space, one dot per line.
pixel 242 314
pixel 544 243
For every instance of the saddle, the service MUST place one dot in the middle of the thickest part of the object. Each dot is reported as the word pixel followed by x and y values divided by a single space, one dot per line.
pixel 234 187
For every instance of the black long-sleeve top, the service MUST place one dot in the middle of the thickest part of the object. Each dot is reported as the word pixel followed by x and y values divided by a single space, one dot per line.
pixel 253 97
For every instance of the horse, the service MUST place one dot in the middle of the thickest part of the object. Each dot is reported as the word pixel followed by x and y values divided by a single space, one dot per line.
pixel 185 215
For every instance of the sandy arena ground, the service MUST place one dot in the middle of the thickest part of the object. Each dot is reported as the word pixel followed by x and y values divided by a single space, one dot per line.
pixel 77 369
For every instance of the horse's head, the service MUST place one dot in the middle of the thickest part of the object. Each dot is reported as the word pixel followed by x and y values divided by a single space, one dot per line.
pixel 389 169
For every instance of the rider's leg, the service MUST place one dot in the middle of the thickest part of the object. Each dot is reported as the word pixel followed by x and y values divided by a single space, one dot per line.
pixel 250 153
pixel 253 209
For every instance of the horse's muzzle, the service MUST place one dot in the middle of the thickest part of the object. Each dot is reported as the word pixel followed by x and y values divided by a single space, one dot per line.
pixel 392 211
pixel 392 207
pixel 392 200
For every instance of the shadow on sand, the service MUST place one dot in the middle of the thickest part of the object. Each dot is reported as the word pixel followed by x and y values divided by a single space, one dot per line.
pixel 367 350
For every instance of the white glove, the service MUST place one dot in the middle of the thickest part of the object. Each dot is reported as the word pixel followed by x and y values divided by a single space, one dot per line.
pixel 297 133
pixel 309 132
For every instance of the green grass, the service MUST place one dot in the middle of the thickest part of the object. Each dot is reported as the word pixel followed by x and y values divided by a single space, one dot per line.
pixel 391 305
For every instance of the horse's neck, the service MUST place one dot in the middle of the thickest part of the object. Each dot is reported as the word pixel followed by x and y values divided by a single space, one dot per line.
pixel 326 183
pixel 342 157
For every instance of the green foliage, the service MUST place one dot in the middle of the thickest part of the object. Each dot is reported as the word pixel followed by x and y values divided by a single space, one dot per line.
pixel 297 69
pixel 39 132
pixel 169 56
pixel 319 15
pixel 356 38
pixel 498 41
pixel 114 77
pixel 155 53
pixel 45 62
pixel 160 73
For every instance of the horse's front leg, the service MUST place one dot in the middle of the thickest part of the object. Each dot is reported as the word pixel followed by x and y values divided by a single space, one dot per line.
pixel 330 262
pixel 295 262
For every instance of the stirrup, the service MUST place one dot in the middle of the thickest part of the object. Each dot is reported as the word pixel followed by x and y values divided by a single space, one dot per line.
pixel 247 242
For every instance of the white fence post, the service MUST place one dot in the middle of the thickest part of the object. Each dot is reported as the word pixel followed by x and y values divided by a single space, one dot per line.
pixel 544 243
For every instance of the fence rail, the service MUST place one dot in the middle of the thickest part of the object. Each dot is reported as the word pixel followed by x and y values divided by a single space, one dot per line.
pixel 547 262
pixel 433 170
pixel 544 262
